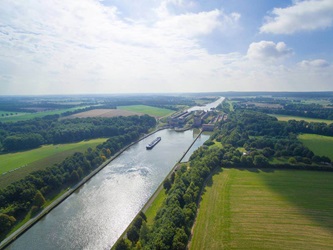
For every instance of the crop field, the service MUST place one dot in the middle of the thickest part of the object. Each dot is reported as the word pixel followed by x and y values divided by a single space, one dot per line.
pixel 318 144
pixel 149 110
pixel 26 116
pixel 14 166
pixel 104 113
pixel 252 209
pixel 297 118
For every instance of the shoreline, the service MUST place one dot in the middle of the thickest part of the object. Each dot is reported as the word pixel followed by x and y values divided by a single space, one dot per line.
pixel 16 234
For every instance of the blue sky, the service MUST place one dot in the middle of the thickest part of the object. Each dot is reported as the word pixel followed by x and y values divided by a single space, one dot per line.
pixel 123 46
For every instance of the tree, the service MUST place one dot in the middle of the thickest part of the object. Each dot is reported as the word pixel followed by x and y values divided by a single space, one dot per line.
pixel 39 199
pixel 260 161
pixel 133 234
pixel 167 184
pixel 6 222
pixel 122 245
pixel 180 240
pixel 292 160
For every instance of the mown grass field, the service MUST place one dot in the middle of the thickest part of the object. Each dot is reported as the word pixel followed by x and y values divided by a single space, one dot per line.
pixel 155 206
pixel 297 118
pixel 252 209
pixel 103 113
pixel 36 159
pixel 8 114
pixel 26 116
pixel 318 144
pixel 149 110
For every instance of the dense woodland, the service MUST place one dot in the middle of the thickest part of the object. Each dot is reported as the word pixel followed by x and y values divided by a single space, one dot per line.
pixel 33 133
pixel 287 107
pixel 29 194
pixel 262 137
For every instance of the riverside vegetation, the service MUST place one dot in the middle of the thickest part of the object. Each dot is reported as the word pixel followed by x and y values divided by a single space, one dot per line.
pixel 248 139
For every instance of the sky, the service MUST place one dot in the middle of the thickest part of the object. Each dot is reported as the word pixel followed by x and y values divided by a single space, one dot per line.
pixel 165 46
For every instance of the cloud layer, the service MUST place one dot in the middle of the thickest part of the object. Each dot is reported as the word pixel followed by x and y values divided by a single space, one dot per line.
pixel 305 15
pixel 268 50
pixel 95 46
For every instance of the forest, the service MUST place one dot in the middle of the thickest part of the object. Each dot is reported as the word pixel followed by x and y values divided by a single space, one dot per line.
pixel 318 108
pixel 33 133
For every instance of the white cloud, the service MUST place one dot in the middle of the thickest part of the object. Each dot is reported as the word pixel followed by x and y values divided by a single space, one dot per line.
pixel 191 24
pixel 317 63
pixel 85 46
pixel 305 15
pixel 268 50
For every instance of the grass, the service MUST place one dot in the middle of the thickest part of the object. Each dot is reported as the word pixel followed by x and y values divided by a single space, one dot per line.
pixel 154 207
pixel 298 118
pixel 28 161
pixel 26 116
pixel 8 114
pixel 252 209
pixel 149 110
pixel 231 105
pixel 217 144
pixel 318 144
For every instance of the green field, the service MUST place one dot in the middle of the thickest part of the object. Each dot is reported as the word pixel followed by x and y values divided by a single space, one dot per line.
pixel 318 144
pixel 36 159
pixel 26 116
pixel 297 118
pixel 149 110
pixel 8 114
pixel 252 209
pixel 155 206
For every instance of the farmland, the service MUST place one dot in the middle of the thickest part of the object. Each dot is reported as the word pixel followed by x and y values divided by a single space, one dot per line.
pixel 36 159
pixel 252 209
pixel 149 110
pixel 104 113
pixel 298 118
pixel 26 116
pixel 318 144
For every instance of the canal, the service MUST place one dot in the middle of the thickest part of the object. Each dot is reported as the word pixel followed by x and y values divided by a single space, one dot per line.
pixel 98 213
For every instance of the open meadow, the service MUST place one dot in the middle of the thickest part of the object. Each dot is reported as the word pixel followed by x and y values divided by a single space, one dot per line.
pixel 275 209
pixel 104 113
pixel 286 118
pixel 15 166
pixel 318 144
pixel 21 116
pixel 149 110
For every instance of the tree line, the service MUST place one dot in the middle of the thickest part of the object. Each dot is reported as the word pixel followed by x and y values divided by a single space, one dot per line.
pixel 33 133
pixel 293 109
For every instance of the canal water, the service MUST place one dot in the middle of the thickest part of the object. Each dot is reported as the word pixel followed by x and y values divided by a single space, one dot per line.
pixel 98 213
pixel 208 106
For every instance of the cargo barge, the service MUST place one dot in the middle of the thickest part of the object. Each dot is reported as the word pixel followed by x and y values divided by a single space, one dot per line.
pixel 153 143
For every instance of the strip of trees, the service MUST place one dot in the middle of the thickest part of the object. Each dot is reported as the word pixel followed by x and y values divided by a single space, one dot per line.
pixel 50 130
